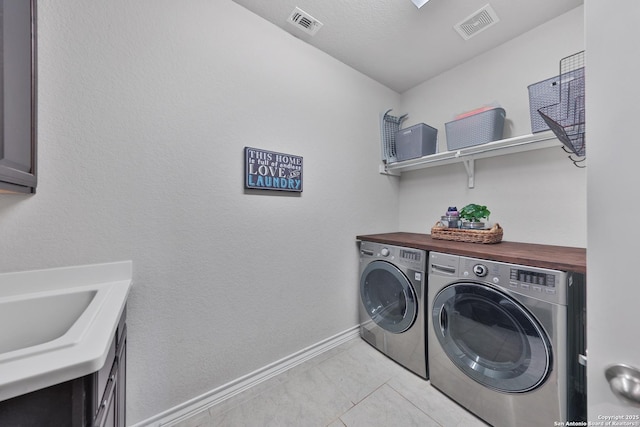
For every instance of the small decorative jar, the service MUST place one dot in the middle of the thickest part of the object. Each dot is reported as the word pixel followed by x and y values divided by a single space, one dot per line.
pixel 452 218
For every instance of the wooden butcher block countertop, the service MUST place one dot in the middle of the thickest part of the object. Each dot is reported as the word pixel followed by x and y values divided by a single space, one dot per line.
pixel 562 258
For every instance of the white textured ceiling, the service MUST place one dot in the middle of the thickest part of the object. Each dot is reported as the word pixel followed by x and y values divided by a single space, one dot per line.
pixel 399 45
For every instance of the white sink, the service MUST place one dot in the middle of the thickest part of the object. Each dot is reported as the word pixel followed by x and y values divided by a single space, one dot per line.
pixel 38 319
pixel 57 324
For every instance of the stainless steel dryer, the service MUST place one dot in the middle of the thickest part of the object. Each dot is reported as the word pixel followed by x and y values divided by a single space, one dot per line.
pixel 392 303
pixel 498 339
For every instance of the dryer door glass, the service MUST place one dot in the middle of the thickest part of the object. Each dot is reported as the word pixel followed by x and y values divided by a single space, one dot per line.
pixel 388 296
pixel 491 337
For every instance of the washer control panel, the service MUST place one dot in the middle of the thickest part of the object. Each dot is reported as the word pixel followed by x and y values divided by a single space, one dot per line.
pixel 540 283
pixel 406 257
pixel 480 270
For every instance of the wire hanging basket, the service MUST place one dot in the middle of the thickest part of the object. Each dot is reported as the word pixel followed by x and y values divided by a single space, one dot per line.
pixel 389 126
pixel 567 118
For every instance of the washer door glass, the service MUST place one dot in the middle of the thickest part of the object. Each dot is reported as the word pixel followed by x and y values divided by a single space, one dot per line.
pixel 388 297
pixel 491 337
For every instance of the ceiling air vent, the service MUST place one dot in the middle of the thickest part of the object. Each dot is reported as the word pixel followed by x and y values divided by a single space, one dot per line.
pixel 477 22
pixel 305 22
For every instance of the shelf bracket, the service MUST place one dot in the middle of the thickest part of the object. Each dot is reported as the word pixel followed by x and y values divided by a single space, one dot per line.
pixel 469 165
pixel 385 171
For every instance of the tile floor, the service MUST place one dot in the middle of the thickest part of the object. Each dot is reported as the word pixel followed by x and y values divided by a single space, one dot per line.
pixel 351 385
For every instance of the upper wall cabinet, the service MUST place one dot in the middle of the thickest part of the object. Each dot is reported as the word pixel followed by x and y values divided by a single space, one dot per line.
pixel 18 88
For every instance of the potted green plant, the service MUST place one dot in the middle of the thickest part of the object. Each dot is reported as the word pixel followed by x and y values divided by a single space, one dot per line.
pixel 473 216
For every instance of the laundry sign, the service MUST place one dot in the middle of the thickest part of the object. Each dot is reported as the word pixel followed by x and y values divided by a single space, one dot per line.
pixel 268 170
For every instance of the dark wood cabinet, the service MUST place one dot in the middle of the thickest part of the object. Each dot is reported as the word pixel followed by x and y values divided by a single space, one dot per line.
pixel 95 400
pixel 18 129
pixel 109 385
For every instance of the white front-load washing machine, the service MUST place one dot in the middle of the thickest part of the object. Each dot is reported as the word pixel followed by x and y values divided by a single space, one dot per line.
pixel 498 339
pixel 393 291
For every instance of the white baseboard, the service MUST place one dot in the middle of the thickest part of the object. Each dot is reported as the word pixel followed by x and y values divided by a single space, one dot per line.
pixel 203 402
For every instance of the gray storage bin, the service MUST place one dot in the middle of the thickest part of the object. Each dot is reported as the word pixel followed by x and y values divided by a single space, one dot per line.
pixel 416 141
pixel 476 129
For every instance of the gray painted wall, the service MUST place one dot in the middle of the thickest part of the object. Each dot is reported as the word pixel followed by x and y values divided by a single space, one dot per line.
pixel 144 110
pixel 537 196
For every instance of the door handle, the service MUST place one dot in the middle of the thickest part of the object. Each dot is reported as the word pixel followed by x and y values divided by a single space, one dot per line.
pixel 624 381
pixel 443 321
pixel 582 358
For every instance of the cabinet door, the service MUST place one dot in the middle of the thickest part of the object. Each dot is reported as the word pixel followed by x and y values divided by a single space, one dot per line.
pixel 18 89
pixel 48 407
pixel 107 412
pixel 121 392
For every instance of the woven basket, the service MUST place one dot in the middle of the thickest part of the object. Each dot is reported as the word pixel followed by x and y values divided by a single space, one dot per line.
pixel 493 235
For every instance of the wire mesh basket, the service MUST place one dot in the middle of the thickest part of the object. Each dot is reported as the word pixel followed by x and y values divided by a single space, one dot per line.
pixel 566 118
pixel 546 94
pixel 389 126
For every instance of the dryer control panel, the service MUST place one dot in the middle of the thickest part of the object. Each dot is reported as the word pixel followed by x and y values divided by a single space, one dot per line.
pixel 534 278
pixel 540 283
